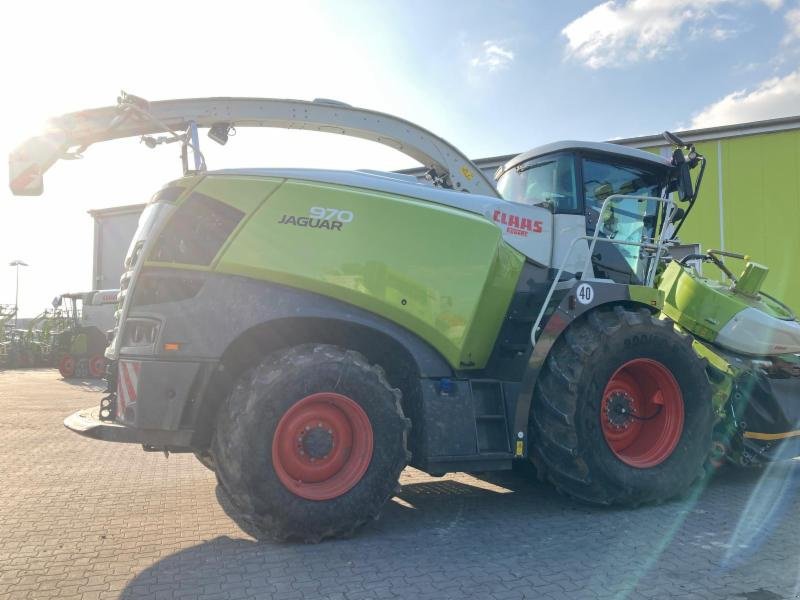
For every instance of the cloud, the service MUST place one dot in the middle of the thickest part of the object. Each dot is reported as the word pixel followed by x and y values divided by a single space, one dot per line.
pixel 620 32
pixel 773 98
pixel 720 34
pixel 792 18
pixel 493 57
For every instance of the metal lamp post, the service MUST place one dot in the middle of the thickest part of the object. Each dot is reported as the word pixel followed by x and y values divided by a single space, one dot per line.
pixel 17 264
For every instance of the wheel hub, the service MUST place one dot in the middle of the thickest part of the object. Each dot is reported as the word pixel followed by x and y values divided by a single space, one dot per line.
pixel 322 446
pixel 317 442
pixel 642 413
pixel 620 410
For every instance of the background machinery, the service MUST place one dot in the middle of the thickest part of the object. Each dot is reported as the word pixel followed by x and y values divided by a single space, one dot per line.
pixel 78 346
pixel 29 347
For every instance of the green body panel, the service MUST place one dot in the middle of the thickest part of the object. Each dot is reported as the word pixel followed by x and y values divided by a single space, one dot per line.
pixel 700 305
pixel 703 305
pixel 242 192
pixel 445 274
pixel 722 386
pixel 651 297
pixel 79 344
pixel 751 279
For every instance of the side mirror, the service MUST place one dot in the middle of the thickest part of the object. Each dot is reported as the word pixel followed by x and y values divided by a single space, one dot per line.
pixel 685 186
pixel 683 181
pixel 25 178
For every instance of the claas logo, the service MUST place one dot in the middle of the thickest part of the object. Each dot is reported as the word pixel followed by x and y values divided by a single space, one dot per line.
pixel 516 225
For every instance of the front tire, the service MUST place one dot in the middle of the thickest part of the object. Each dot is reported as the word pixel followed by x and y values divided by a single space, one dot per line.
pixel 310 445
pixel 622 412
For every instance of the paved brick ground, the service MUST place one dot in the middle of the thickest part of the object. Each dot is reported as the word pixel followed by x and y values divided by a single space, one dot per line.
pixel 84 519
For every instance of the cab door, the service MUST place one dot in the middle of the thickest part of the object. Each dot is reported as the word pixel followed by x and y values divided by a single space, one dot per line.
pixel 627 220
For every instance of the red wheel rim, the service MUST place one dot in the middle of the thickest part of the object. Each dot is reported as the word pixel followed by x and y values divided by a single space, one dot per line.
pixel 97 366
pixel 66 366
pixel 322 446
pixel 641 414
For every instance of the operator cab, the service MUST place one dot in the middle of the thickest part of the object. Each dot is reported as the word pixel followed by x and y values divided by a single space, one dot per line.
pixel 574 178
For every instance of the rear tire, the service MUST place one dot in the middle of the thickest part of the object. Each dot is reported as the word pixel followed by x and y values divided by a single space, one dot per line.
pixel 97 366
pixel 205 459
pixel 310 445
pixel 66 366
pixel 586 440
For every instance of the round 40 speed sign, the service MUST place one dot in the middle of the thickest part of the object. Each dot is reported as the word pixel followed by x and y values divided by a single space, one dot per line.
pixel 585 293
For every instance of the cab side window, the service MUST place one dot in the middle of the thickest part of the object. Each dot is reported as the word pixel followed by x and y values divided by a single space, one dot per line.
pixel 625 219
pixel 549 181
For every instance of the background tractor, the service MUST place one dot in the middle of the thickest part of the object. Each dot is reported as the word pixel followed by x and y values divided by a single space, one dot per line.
pixel 370 321
pixel 77 347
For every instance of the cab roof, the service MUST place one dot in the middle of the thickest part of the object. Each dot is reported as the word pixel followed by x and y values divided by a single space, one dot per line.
pixel 596 147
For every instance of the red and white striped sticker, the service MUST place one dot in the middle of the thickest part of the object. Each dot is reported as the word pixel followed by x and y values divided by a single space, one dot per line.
pixel 127 384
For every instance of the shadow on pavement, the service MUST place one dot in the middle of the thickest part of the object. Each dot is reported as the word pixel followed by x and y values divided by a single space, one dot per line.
pixel 423 514
pixel 95 385
pixel 482 519
pixel 507 524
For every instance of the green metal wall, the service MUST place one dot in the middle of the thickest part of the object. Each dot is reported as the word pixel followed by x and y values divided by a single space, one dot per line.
pixel 759 208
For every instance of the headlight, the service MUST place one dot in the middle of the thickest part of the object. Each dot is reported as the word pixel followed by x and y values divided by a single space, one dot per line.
pixel 140 332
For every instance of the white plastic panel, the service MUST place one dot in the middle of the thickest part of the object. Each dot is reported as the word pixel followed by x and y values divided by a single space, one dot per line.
pixel 565 229
pixel 754 332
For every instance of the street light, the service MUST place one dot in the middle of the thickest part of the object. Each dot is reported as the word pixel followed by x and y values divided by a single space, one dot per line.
pixel 17 264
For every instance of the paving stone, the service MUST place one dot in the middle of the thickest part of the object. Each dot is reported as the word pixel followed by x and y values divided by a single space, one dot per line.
pixel 82 519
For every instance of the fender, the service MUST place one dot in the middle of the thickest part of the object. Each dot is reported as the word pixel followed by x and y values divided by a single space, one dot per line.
pixel 584 297
pixel 206 327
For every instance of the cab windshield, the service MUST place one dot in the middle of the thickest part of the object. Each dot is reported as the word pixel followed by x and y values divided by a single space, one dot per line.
pixel 151 216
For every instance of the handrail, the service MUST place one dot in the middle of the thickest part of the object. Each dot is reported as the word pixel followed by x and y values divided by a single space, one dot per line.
pixel 662 242
pixel 658 246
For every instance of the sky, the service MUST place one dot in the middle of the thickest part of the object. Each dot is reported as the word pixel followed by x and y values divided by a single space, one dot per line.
pixel 491 78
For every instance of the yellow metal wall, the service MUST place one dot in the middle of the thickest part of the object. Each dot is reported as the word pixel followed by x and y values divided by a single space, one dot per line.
pixel 760 206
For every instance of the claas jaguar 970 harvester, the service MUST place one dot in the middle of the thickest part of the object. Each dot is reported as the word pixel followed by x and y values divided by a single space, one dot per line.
pixel 309 333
